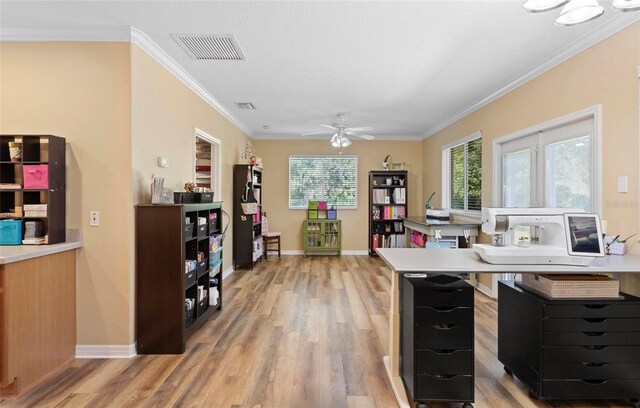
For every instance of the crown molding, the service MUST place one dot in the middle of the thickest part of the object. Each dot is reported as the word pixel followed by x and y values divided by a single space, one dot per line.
pixel 146 44
pixel 262 136
pixel 121 34
pixel 621 21
pixel 92 33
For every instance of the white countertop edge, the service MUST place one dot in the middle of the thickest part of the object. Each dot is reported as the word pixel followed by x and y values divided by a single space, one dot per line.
pixel 454 261
pixel 17 253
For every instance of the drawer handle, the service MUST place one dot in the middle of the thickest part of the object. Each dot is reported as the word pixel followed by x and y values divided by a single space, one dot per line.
pixel 595 381
pixel 595 334
pixel 595 347
pixel 443 309
pixel 443 326
pixel 447 351
pixel 595 306
pixel 437 290
pixel 594 364
pixel 443 376
pixel 595 320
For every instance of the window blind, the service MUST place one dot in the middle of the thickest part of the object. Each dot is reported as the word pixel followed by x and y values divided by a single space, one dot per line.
pixel 462 175
pixel 328 178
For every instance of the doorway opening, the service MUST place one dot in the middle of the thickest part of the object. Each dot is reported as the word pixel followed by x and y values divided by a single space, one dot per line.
pixel 207 166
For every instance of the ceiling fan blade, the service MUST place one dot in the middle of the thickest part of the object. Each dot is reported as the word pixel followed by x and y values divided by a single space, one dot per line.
pixel 330 127
pixel 318 133
pixel 359 129
pixel 366 137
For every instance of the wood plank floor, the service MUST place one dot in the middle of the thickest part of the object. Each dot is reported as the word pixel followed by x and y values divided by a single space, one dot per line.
pixel 294 332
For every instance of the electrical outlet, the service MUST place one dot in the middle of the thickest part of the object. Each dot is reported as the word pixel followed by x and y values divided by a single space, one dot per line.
pixel 94 218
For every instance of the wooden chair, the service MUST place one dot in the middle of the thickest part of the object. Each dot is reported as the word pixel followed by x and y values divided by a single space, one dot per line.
pixel 270 237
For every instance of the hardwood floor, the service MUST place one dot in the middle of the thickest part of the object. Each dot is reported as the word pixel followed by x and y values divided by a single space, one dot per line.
pixel 294 332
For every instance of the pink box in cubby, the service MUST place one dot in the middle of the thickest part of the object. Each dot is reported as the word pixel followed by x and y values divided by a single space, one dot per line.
pixel 36 176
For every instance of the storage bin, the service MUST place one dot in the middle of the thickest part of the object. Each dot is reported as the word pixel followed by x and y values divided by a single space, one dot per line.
pixel 214 267
pixel 203 197
pixel 10 232
pixel 35 176
pixel 215 255
pixel 188 230
pixel 183 197
pixel 215 241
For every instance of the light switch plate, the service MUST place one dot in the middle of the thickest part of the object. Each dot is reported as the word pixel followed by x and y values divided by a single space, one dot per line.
pixel 94 218
pixel 622 184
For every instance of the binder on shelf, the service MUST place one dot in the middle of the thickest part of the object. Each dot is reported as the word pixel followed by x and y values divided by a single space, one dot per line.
pixel 399 196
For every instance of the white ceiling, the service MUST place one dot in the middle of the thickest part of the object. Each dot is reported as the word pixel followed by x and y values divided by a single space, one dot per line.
pixel 404 68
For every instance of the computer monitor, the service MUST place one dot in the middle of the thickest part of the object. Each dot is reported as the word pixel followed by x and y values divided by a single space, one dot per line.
pixel 584 235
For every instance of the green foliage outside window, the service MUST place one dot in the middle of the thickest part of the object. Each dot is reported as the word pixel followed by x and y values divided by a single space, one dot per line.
pixel 327 178
pixel 465 168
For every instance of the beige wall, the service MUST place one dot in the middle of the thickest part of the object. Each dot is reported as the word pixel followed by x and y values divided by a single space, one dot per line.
pixel 119 110
pixel 82 92
pixel 275 155
pixel 165 115
pixel 606 75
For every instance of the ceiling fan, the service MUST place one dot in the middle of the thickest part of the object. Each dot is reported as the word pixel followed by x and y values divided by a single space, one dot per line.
pixel 340 132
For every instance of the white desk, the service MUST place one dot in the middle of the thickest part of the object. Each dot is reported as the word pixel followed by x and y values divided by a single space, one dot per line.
pixel 403 260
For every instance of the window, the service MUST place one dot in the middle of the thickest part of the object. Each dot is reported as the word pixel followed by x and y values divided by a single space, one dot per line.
pixel 462 174
pixel 552 167
pixel 328 178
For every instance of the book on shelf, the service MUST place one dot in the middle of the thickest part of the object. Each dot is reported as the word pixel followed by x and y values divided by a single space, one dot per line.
pixel 393 212
pixel 389 241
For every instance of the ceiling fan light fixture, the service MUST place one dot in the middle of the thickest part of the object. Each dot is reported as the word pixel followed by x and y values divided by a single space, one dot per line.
pixel 538 6
pixel 579 11
pixel 346 142
pixel 625 5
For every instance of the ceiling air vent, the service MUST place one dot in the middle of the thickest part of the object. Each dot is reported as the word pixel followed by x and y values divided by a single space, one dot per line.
pixel 245 105
pixel 217 47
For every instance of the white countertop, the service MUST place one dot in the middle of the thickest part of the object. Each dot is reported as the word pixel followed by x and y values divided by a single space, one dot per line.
pixel 465 261
pixel 17 253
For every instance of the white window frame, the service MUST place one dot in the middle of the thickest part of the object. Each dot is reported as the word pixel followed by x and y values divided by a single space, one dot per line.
pixel 594 113
pixel 321 156
pixel 446 180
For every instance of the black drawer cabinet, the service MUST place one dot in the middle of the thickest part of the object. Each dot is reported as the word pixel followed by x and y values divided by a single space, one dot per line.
pixel 570 349
pixel 436 338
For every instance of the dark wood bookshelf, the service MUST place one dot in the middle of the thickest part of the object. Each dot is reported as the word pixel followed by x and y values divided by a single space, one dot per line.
pixel 377 227
pixel 245 229
pixel 45 150
pixel 164 242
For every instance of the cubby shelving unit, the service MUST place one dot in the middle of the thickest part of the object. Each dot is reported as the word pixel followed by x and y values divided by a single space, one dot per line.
pixel 167 236
pixel 37 150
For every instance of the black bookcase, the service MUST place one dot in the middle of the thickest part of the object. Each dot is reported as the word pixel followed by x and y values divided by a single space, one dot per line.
pixel 247 229
pixel 37 150
pixel 166 237
pixel 388 206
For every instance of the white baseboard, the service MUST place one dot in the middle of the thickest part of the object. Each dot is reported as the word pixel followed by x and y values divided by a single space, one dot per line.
pixel 227 272
pixel 343 252
pixel 484 289
pixel 106 350
pixel 355 252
